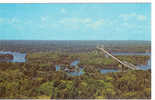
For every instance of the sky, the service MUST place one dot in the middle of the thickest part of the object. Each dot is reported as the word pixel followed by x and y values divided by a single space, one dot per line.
pixel 106 21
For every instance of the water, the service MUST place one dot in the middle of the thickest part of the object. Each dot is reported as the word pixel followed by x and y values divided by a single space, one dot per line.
pixel 74 63
pixel 17 57
pixel 57 67
pixel 77 72
pixel 20 57
pixel 145 67
pixel 141 67
pixel 126 53
pixel 105 71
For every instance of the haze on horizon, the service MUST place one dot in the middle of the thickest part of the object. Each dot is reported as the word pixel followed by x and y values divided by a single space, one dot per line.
pixel 75 21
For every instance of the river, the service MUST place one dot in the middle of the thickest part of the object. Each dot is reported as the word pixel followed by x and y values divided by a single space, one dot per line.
pixel 105 71
pixel 140 67
pixel 20 57
pixel 17 57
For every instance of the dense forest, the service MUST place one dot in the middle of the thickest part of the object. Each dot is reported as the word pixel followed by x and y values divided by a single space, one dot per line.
pixel 38 78
pixel 74 46
pixel 33 81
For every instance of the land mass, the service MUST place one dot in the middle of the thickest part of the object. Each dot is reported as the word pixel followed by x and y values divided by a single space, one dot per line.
pixel 38 78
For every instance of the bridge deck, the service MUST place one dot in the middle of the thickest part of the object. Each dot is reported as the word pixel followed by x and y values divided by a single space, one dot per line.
pixel 126 64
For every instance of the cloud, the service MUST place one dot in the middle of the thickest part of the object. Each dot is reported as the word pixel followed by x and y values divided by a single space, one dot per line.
pixel 127 16
pixel 82 22
pixel 96 24
pixel 75 20
pixel 133 16
pixel 74 23
pixel 1 20
pixel 44 18
pixel 141 17
pixel 63 11
pixel 13 20
pixel 122 24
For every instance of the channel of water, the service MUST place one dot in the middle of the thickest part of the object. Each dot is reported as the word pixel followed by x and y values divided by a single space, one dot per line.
pixel 21 57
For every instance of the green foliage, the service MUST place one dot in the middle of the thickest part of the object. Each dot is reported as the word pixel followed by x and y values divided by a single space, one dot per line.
pixel 37 78
pixel 46 89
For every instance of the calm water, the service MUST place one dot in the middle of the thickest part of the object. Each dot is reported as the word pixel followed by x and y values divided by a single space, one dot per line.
pixel 77 73
pixel 20 57
pixel 73 64
pixel 145 67
pixel 105 71
pixel 57 67
pixel 124 53
pixel 17 57
pixel 141 67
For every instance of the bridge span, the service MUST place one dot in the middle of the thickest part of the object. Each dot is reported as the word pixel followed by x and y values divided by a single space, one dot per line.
pixel 124 63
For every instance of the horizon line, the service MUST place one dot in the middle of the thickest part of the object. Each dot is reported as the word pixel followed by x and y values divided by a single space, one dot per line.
pixel 74 40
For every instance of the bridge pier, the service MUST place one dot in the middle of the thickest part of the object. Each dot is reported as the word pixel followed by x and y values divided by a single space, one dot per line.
pixel 124 64
pixel 122 68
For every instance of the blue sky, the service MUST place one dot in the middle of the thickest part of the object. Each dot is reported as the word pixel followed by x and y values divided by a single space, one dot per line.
pixel 75 21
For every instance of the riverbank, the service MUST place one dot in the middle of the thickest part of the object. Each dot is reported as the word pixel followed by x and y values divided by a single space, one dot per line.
pixel 98 60
pixel 14 56
pixel 39 78
pixel 34 81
